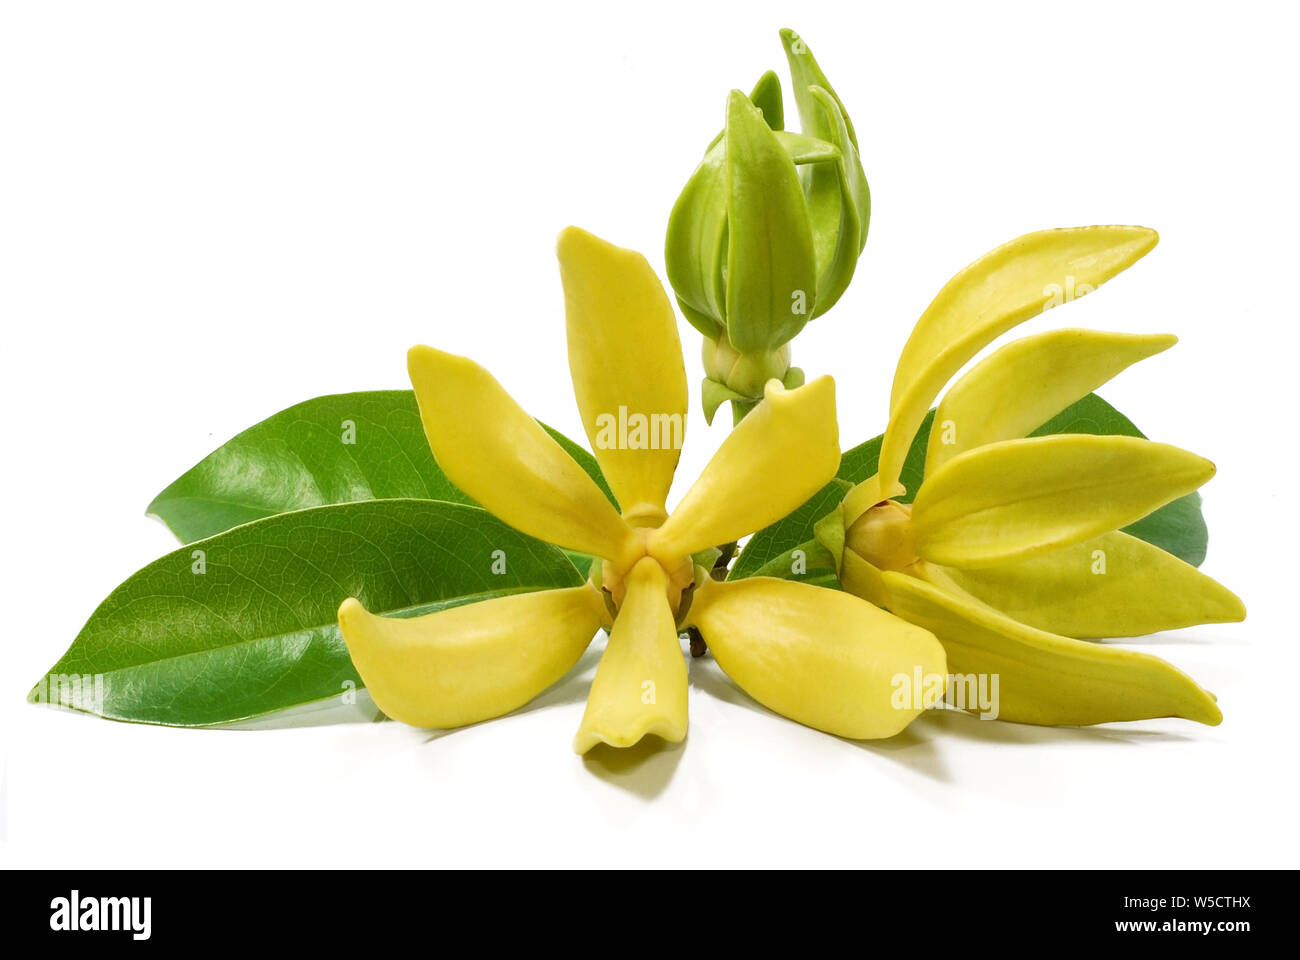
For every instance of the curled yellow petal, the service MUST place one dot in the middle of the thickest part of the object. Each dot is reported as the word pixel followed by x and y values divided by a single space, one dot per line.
pixel 818 656
pixel 473 662
pixel 1017 389
pixel 499 455
pixel 1044 678
pixel 1001 289
pixel 626 361
pixel 866 495
pixel 773 461
pixel 640 686
pixel 1114 585
pixel 1018 498
pixel 862 578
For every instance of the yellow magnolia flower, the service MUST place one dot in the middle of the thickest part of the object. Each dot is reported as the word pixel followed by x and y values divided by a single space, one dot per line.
pixel 1011 550
pixel 823 658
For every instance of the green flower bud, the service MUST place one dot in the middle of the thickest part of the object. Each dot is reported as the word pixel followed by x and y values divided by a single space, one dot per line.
pixel 767 232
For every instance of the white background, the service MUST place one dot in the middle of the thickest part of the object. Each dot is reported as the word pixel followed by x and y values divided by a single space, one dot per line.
pixel 211 212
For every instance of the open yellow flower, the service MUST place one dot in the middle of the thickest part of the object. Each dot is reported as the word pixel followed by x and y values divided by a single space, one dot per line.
pixel 1012 550
pixel 820 657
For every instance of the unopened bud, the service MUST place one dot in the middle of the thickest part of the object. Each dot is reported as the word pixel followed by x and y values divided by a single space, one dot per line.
pixel 767 232
pixel 883 536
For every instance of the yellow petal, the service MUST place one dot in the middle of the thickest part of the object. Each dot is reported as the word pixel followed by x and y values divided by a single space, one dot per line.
pixel 1114 585
pixel 472 662
pixel 499 455
pixel 1016 390
pixel 1018 498
pixel 640 685
pixel 626 361
pixel 1044 678
pixel 866 495
pixel 773 461
pixel 818 656
pixel 862 578
pixel 1005 287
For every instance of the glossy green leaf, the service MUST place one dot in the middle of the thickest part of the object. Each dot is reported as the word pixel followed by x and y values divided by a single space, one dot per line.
pixel 809 562
pixel 862 461
pixel 775 542
pixel 341 448
pixel 243 624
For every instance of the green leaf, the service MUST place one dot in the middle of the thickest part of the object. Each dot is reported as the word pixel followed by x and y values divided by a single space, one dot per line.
pixel 251 629
pixel 862 461
pixel 816 566
pixel 300 458
pixel 1177 527
pixel 773 544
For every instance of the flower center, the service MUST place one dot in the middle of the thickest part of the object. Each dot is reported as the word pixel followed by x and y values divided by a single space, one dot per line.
pixel 883 536
pixel 680 573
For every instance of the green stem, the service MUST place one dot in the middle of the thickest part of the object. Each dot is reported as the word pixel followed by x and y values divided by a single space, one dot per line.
pixel 740 409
